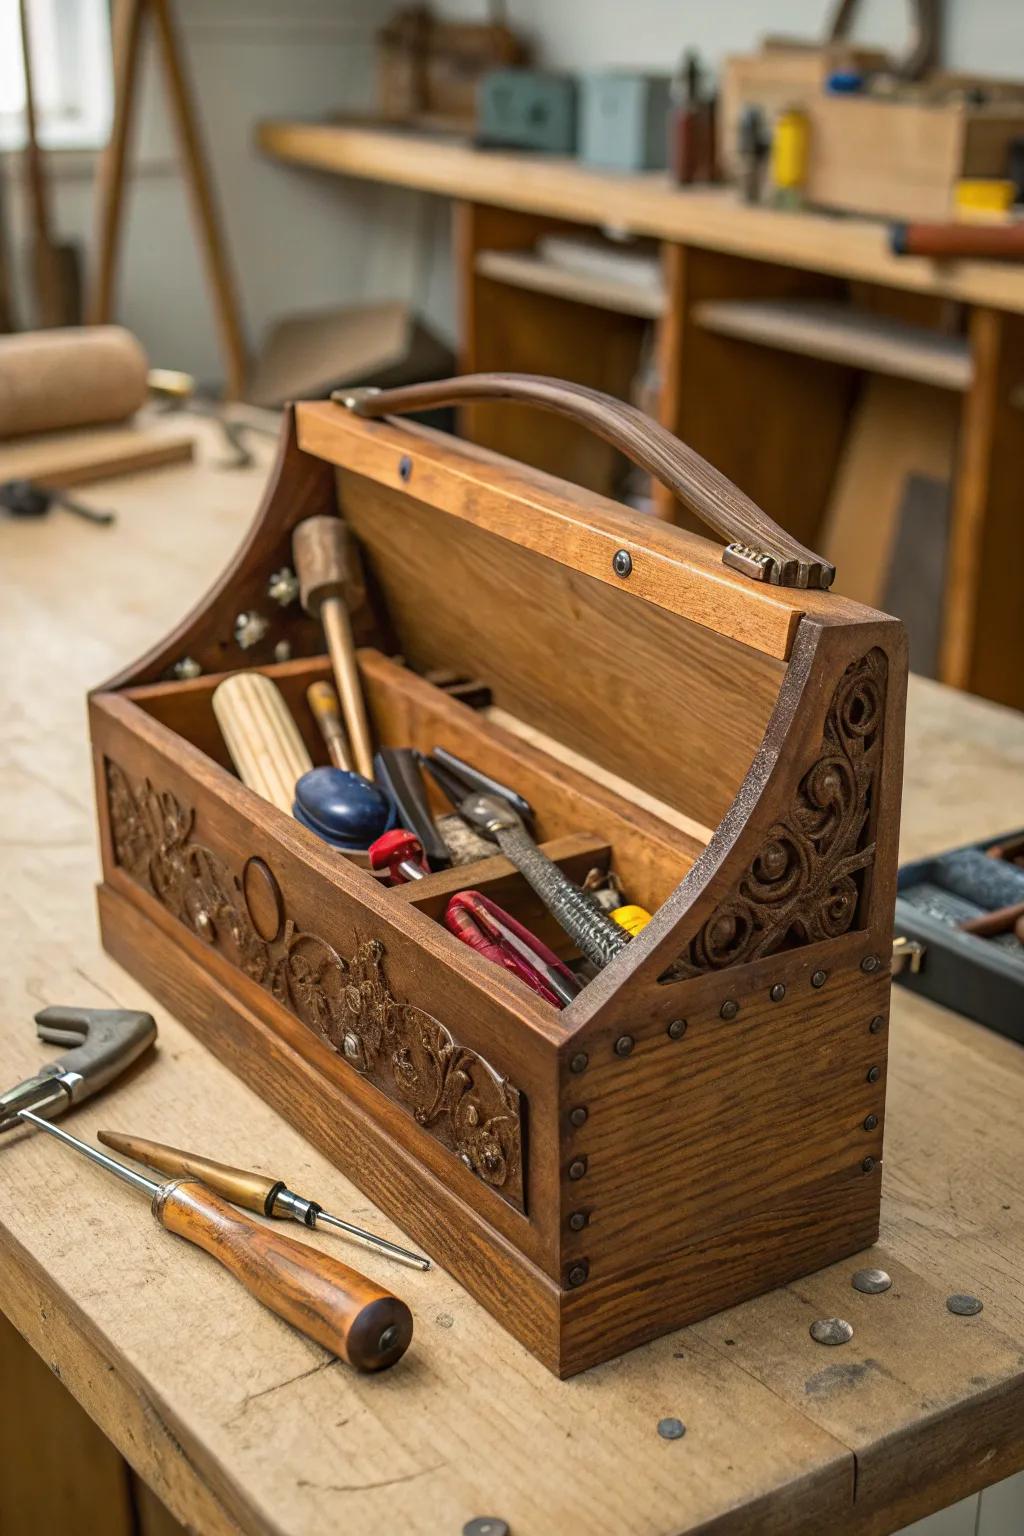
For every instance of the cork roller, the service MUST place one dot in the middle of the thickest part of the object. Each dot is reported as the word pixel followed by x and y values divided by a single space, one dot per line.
pixel 261 736
pixel 81 377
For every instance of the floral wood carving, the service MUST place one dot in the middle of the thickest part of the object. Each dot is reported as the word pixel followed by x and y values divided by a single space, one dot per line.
pixel 806 881
pixel 409 1055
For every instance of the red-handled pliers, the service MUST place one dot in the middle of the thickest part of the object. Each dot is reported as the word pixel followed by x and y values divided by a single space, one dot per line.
pixel 491 931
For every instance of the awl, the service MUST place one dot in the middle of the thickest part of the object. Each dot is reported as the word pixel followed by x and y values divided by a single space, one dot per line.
pixel 324 1299
pixel 255 1191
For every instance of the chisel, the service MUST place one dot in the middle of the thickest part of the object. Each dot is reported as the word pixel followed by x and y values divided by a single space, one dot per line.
pixel 324 1299
pixel 257 1192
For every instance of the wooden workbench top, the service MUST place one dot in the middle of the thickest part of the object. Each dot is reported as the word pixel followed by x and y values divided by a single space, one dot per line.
pixel 713 217
pixel 238 1422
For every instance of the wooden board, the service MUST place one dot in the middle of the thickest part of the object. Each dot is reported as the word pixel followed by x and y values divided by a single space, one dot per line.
pixel 63 459
pixel 644 205
pixel 454 1431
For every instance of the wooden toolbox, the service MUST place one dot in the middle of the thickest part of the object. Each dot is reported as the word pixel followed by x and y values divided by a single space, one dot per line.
pixel 704 1121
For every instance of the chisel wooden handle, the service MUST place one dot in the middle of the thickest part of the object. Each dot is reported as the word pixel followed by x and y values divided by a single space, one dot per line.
pixel 261 736
pixel 322 1298
pixel 255 1191
pixel 326 711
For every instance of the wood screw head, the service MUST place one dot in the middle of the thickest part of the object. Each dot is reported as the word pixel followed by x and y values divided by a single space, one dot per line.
pixel 777 992
pixel 819 978
pixel 874 1073
pixel 578 1273
pixel 868 1165
pixel 677 1029
pixel 962 1304
pixel 577 1168
pixel 624 1045
pixel 622 562
pixel 405 467
pixel 871 1123
pixel 671 1429
pixel 870 964
pixel 578 1116
pixel 876 1024
pixel 729 1009
pixel 831 1330
pixel 578 1220
pixel 579 1062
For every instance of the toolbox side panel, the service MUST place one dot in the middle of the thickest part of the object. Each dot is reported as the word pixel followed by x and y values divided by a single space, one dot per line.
pixel 371 992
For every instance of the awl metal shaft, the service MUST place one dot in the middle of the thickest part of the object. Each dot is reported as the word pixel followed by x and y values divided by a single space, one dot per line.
pixel 254 1191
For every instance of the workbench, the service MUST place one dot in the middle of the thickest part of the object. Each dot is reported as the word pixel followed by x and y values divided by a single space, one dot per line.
pixel 791 349
pixel 235 1421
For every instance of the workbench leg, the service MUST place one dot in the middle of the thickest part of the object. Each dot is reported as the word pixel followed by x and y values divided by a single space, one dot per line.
pixel 982 642
pixel 60 1473
pixel 126 25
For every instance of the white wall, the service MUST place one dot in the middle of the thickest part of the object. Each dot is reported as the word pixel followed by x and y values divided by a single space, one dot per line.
pixel 302 240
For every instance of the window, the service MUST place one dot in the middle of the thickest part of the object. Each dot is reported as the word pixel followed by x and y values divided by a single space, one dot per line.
pixel 71 71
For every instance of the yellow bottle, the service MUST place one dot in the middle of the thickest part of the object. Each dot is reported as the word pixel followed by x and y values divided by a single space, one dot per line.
pixel 790 145
pixel 632 918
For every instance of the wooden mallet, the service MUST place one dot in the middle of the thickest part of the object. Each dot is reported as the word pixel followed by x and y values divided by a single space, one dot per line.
pixel 320 555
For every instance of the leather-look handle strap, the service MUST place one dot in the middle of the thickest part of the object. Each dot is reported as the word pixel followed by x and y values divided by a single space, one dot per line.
pixel 755 544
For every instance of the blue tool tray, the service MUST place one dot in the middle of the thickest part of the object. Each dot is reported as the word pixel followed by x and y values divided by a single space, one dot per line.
pixel 982 978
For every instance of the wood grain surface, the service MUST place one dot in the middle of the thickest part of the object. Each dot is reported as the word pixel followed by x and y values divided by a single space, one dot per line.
pixel 783 1437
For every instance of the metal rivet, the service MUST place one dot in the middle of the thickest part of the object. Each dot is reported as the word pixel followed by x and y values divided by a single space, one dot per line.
pixel 871 1123
pixel 729 1009
pixel 963 1304
pixel 871 1282
pixel 387 1338
pixel 578 1116
pixel 580 1062
pixel 831 1330
pixel 777 992
pixel 184 670
pixel 874 1073
pixel 577 1168
pixel 405 467
pixel 671 1429
pixel 868 1165
pixel 622 562
pixel 876 1023
pixel 624 1045
pixel 819 978
pixel 677 1029
pixel 578 1273
pixel 485 1525
pixel 870 964
pixel 578 1220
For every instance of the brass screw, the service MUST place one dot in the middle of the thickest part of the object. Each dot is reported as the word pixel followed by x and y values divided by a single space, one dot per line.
pixel 577 1168
pixel 874 1073
pixel 624 1045
pixel 677 1029
pixel 777 992
pixel 819 978
pixel 871 1123
pixel 729 1009
pixel 579 1062
pixel 578 1116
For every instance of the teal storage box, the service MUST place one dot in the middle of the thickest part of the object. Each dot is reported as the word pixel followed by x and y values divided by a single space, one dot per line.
pixel 527 109
pixel 624 121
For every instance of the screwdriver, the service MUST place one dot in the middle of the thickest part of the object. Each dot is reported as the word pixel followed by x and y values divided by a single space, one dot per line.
pixel 255 1191
pixel 324 1299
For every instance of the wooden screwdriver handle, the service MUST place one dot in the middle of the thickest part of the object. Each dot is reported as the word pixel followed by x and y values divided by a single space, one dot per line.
pixel 255 1191
pixel 324 1299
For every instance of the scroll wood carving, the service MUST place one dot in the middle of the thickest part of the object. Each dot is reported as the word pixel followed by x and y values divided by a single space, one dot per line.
pixel 806 882
pixel 409 1055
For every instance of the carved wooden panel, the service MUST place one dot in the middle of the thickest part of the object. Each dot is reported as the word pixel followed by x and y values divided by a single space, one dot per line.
pixel 410 1056
pixel 806 881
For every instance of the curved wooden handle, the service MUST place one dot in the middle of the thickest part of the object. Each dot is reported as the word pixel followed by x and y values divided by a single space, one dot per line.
pixel 755 544
pixel 322 1298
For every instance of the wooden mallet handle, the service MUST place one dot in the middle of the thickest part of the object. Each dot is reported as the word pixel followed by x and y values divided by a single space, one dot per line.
pixel 321 557
pixel 324 1299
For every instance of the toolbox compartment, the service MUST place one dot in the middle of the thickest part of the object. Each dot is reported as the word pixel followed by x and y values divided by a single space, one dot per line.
pixel 704 1121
